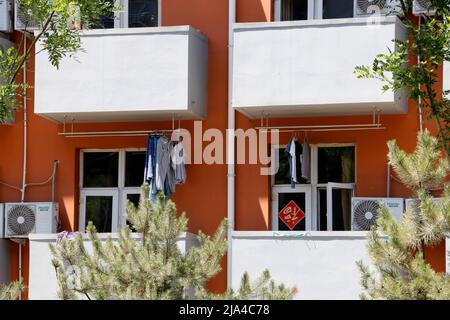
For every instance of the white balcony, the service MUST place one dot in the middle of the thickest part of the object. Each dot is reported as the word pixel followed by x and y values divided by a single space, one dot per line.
pixel 321 265
pixel 306 68
pixel 43 284
pixel 127 75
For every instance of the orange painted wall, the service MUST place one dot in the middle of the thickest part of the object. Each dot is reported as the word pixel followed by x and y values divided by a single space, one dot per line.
pixel 204 195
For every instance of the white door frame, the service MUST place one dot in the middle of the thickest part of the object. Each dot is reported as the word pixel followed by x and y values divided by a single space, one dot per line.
pixel 299 188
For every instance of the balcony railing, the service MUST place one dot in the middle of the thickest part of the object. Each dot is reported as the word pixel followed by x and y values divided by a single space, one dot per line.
pixel 306 68
pixel 125 75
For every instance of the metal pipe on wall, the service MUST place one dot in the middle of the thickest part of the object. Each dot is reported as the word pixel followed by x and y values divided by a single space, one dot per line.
pixel 25 123
pixel 230 143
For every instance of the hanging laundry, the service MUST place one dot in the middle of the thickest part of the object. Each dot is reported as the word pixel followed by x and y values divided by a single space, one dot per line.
pixel 294 151
pixel 162 162
pixel 178 161
pixel 298 161
pixel 164 165
pixel 306 161
pixel 148 174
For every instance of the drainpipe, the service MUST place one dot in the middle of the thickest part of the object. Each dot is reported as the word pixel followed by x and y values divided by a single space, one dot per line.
pixel 25 124
pixel 230 143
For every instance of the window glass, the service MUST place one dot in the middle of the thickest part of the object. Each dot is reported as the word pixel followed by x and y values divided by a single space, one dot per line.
pixel 294 10
pixel 142 13
pixel 299 198
pixel 134 168
pixel 322 208
pixel 342 209
pixel 283 175
pixel 101 169
pixel 335 9
pixel 336 164
pixel 134 198
pixel 99 211
pixel 105 22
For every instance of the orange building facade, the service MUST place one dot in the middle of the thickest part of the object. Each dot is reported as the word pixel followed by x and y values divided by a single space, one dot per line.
pixel 205 195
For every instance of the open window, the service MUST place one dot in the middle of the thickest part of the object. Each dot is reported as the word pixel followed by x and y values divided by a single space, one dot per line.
pixel 326 200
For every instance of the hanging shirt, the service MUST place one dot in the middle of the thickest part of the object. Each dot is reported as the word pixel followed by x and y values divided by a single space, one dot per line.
pixel 298 161
pixel 292 152
pixel 306 164
pixel 288 150
pixel 178 163
pixel 148 173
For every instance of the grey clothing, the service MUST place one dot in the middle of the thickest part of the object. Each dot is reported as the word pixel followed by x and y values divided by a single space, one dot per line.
pixel 178 163
pixel 163 150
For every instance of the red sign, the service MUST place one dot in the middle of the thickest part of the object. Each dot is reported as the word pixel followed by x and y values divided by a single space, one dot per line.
pixel 291 214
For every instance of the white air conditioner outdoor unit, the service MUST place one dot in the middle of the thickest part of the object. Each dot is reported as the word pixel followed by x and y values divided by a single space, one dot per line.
pixel 364 8
pixel 422 7
pixel 23 19
pixel 2 220
pixel 5 15
pixel 411 203
pixel 22 219
pixel 365 211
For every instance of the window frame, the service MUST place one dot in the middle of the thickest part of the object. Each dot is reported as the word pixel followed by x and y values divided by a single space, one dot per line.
pixel 313 186
pixel 118 218
pixel 121 17
pixel 315 10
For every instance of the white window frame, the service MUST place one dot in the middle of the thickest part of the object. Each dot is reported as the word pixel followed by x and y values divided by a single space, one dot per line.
pixel 315 10
pixel 121 18
pixel 299 188
pixel 97 192
pixel 120 192
pixel 313 187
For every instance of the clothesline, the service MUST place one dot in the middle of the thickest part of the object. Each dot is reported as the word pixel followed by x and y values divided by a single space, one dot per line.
pixel 136 133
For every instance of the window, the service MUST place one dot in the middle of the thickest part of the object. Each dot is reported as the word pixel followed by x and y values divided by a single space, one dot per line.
pixel 134 14
pixel 294 10
pixel 326 199
pixel 108 179
pixel 332 9
pixel 289 10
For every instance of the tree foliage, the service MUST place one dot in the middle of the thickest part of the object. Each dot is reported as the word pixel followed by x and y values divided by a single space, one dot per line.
pixel 11 291
pixel 148 264
pixel 397 253
pixel 429 42
pixel 58 23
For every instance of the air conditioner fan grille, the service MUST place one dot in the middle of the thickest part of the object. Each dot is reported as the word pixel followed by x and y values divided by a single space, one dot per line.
pixel 21 220
pixel 364 5
pixel 365 214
